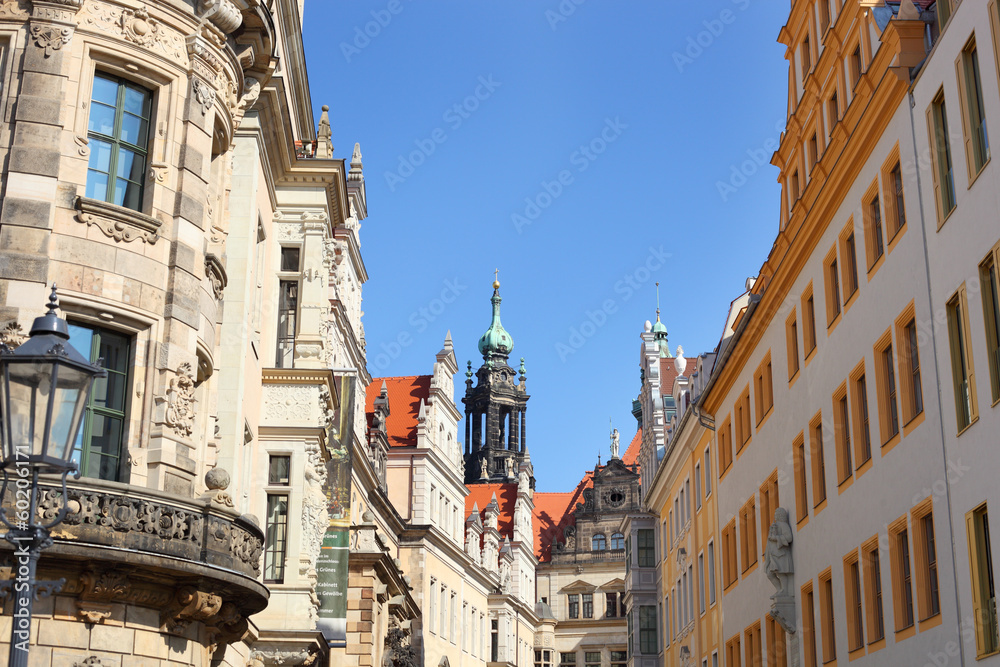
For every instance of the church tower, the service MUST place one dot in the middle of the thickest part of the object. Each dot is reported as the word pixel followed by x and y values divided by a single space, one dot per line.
pixel 495 432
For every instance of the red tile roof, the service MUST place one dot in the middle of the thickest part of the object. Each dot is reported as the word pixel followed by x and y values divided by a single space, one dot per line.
pixel 668 373
pixel 554 511
pixel 481 495
pixel 404 404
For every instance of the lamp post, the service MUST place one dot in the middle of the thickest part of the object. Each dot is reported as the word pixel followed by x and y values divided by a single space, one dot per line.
pixel 44 388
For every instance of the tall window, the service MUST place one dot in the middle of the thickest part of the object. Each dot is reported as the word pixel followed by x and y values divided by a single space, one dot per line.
pixel 983 589
pixel 818 461
pixel 899 551
pixel 943 13
pixel 929 599
pixel 763 389
pixel 826 615
pixel 777 654
pixel 849 252
pixel 729 571
pixel 753 648
pixel 886 381
pixel 801 491
pixel 824 15
pixel 288 308
pixel 832 287
pixel 725 443
pixel 701 583
pixel 748 535
pixel 874 243
pixel 873 591
pixel 899 209
pixel 100 443
pixel 833 111
pixel 711 573
pixel 977 144
pixel 588 605
pixel 646 542
pixel 808 626
pixel 909 368
pixel 961 360
pixel 598 543
pixel 842 430
pixel 809 321
pixel 990 283
pixel 276 528
pixel 611 605
pixel 617 541
pixel 855 613
pixel 574 605
pixel 697 485
pixel 944 177
pixel 118 132
pixel 647 630
pixel 862 433
pixel 806 58
pixel 432 617
pixel 708 472
pixel 792 345
pixel 494 640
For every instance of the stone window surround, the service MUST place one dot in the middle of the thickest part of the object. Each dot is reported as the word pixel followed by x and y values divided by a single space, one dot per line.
pixel 165 106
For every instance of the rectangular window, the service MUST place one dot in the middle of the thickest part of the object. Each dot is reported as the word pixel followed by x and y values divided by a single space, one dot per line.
pixel 647 630
pixel 611 605
pixel 824 21
pixel 288 308
pixel 701 583
pixel 943 14
pixel 872 211
pixel 574 605
pixel 885 381
pixel 592 658
pixel 989 281
pixel 833 111
pixel 826 616
pixel 118 136
pixel 928 589
pixel 909 366
pixel 733 653
pixel 813 152
pixel 873 591
pixel 862 425
pixel 794 186
pixel 753 654
pixel 809 625
pixel 902 580
pixel 769 502
pixel 895 206
pixel 808 321
pixel 697 486
pixel 646 543
pixel 849 263
pixel 275 538
pixel 842 435
pixel 777 654
pixel 801 492
pixel 792 344
pixel 748 535
pixel 711 573
pixel 729 555
pixel 852 598
pixel 290 259
pixel 743 428
pixel 806 58
pixel 725 440
pixel 99 450
pixel 944 177
pixel 495 640
pixel 856 66
pixel 818 460
pixel 977 525
pixel 278 470
pixel 832 280
pixel 619 658
pixel 567 659
pixel 962 373
pixel 588 605
pixel 433 606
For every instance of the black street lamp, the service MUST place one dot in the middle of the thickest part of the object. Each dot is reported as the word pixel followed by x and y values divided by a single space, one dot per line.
pixel 44 387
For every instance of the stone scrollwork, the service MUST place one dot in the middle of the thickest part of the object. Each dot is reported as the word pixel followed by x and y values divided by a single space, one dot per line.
pixel 180 407
pixel 12 335
pixel 14 9
pixel 51 37
pixel 223 14
pixel 280 657
pixel 138 28
pixel 216 274
pixel 116 222
pixel 203 95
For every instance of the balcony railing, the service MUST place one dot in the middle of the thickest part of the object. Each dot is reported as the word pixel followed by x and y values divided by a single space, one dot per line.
pixel 590 556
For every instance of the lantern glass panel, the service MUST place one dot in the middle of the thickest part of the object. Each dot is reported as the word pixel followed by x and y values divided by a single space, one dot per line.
pixel 68 404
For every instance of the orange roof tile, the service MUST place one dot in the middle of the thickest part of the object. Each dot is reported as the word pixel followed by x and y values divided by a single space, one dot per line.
pixel 404 404
pixel 631 455
pixel 482 494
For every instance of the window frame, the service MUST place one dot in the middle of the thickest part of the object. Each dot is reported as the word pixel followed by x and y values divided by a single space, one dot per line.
pixel 982 581
pixel 943 172
pixel 861 418
pixel 910 382
pixel 831 283
pixel 887 387
pixel 895 198
pixel 763 390
pixel 854 604
pixel 817 435
pixel 827 616
pixel 792 346
pixel 904 613
pixel 848 242
pixel 989 281
pixel 800 466
pixel 871 211
pixel 927 577
pixel 874 593
pixel 842 437
pixel 809 338
pixel 962 363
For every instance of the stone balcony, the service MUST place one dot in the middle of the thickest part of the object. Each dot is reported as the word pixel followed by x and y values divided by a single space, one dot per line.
pixel 608 555
pixel 122 546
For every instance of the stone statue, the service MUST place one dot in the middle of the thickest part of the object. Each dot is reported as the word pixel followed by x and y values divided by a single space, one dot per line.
pixel 483 471
pixel 778 556
pixel 614 443
pixel 510 467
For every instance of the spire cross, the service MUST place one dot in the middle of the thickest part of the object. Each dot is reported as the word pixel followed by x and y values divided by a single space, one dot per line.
pixel 496 274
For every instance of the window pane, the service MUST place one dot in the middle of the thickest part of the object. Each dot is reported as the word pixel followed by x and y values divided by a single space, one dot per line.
pixel 105 447
pixel 102 119
pixel 137 101
pixel 100 157
pixel 278 470
pixel 81 338
pixel 114 350
pixel 133 130
pixel 130 165
pixel 105 90
pixel 128 194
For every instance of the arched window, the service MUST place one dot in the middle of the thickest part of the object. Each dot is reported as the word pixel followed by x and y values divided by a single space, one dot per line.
pixel 599 543
pixel 617 541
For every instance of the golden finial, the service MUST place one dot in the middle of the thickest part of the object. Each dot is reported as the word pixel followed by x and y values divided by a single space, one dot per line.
pixel 496 279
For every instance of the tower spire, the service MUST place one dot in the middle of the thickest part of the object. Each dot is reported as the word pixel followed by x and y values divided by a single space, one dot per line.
pixel 660 329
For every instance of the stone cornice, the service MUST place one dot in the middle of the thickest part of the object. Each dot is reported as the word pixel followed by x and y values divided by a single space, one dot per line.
pixel 117 222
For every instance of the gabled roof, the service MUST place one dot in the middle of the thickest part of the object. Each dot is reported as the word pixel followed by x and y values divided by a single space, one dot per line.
pixel 554 511
pixel 668 373
pixel 480 496
pixel 405 394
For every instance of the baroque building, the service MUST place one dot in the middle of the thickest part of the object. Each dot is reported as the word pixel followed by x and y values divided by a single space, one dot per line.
pixel 162 165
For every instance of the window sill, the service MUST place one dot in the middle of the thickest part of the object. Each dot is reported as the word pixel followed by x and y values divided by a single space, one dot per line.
pixel 930 622
pixel 890 443
pixel 863 468
pixel 801 523
pixel 845 484
pixel 832 324
pixel 855 653
pixel 897 235
pixel 975 176
pixel 913 423
pixel 966 427
pixel 946 217
pixel 117 222
pixel 763 420
pixel 905 633
pixel 876 265
pixel 810 355
pixel 876 645
pixel 795 376
pixel 851 299
pixel 819 507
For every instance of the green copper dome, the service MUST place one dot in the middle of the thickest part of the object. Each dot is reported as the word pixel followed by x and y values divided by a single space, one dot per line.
pixel 496 340
pixel 659 327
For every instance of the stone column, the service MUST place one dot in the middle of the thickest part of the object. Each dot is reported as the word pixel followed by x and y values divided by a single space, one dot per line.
pixel 524 414
pixel 309 341
pixel 515 425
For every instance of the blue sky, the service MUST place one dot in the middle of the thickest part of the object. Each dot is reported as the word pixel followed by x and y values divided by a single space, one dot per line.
pixel 584 150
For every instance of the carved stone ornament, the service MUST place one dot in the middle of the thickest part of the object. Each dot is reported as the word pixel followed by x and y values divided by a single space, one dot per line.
pixel 116 222
pixel 216 274
pixel 284 656
pixel 217 480
pixel 14 9
pixel 12 335
pixel 92 661
pixel 180 408
pixel 51 37
pixel 203 94
pixel 223 14
pixel 138 28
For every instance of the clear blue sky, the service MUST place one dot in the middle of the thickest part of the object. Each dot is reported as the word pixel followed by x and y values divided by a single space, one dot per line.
pixel 584 147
